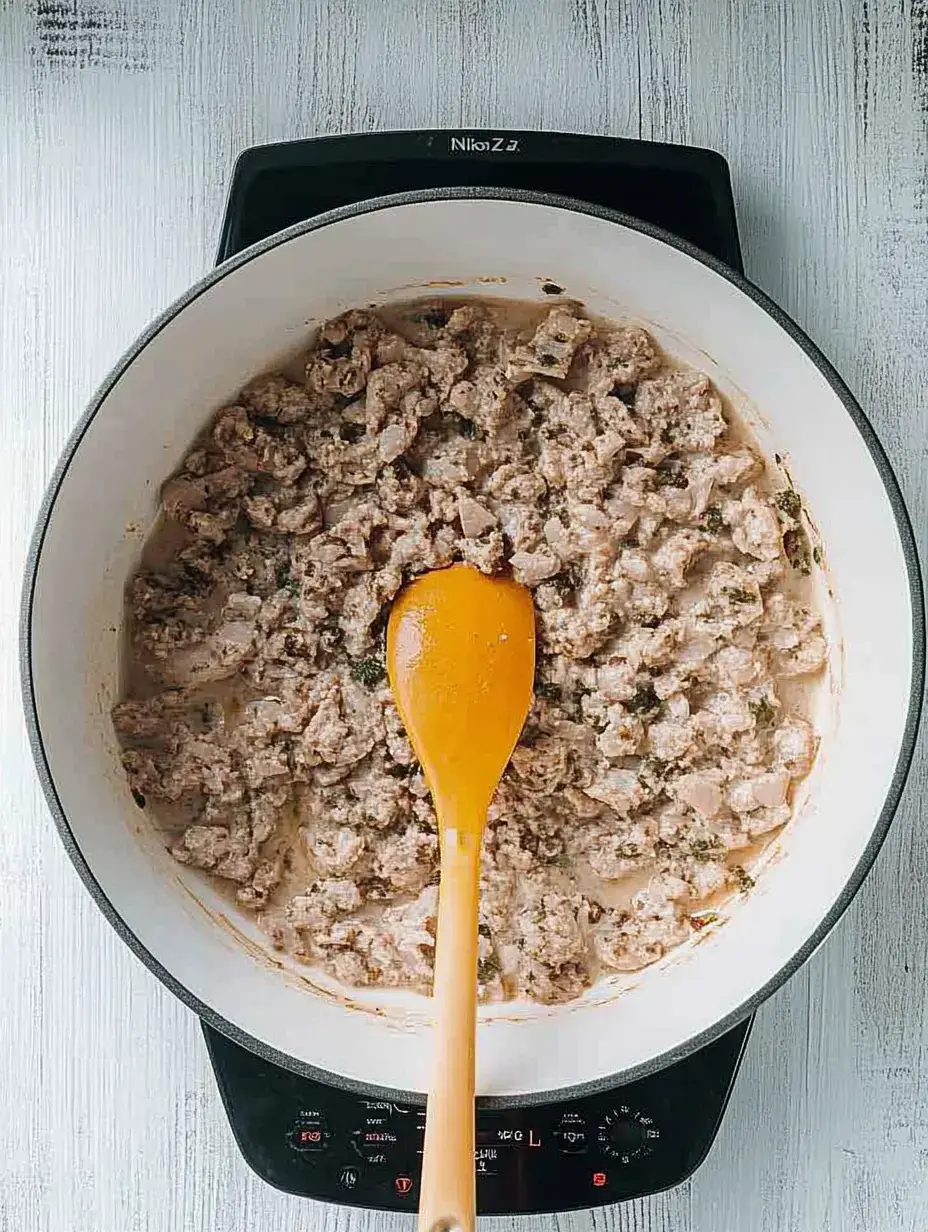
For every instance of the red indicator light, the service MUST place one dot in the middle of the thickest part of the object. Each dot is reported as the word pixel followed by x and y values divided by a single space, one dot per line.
pixel 599 1179
pixel 403 1185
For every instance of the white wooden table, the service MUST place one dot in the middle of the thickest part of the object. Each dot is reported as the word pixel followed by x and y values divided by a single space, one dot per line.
pixel 119 121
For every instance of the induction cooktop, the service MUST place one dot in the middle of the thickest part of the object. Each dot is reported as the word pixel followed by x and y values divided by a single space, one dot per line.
pixel 321 1141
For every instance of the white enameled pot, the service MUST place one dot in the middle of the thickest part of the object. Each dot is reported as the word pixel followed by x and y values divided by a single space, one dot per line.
pixel 259 308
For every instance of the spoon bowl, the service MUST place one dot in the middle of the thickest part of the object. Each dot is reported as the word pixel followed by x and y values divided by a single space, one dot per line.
pixel 461 660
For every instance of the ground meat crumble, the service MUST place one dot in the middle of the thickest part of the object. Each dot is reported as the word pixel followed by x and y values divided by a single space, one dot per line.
pixel 665 739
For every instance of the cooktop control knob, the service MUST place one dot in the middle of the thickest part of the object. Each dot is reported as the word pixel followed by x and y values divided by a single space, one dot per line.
pixel 626 1134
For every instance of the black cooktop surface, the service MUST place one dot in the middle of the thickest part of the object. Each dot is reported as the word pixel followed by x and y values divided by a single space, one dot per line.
pixel 680 188
pixel 320 1141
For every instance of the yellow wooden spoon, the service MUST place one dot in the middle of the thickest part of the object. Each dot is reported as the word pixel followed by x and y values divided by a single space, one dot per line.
pixel 461 659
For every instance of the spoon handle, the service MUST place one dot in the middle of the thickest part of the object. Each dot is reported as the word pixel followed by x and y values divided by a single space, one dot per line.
pixel 448 1195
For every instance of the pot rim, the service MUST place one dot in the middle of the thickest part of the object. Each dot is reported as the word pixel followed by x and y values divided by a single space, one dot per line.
pixel 839 388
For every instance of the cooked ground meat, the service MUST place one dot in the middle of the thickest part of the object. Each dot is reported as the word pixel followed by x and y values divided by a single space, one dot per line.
pixel 666 735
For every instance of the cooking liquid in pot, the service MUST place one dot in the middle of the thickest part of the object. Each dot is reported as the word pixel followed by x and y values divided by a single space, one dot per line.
pixel 678 647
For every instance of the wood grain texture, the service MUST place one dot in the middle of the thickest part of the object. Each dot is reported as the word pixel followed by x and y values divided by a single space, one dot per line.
pixel 121 119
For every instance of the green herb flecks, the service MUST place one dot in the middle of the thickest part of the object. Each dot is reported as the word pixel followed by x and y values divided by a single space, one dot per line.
pixel 369 672
pixel 764 713
pixel 670 474
pixel 644 701
pixel 706 849
pixel 743 878
pixel 738 594
pixel 651 775
pixel 487 968
pixel 713 521
pixel 788 501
